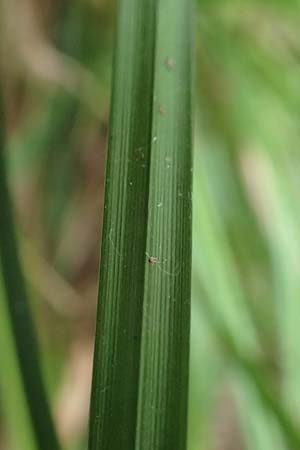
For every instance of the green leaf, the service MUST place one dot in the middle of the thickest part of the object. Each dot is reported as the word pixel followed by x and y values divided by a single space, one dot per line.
pixel 224 303
pixel 21 323
pixel 139 392
pixel 12 392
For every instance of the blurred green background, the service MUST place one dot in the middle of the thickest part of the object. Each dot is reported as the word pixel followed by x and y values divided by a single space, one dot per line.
pixel 56 61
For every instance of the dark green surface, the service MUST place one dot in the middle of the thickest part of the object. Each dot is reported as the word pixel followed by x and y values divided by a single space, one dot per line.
pixel 139 393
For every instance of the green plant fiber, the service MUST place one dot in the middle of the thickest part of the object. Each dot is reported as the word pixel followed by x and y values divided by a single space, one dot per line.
pixel 21 323
pixel 139 391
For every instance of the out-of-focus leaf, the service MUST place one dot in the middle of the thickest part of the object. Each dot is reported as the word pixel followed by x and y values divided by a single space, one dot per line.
pixel 19 315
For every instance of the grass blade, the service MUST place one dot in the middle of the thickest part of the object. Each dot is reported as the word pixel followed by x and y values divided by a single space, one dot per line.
pixel 142 337
pixel 12 393
pixel 21 322
pixel 226 306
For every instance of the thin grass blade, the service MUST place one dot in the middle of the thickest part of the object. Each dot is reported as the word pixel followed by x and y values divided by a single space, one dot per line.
pixel 21 322
pixel 139 392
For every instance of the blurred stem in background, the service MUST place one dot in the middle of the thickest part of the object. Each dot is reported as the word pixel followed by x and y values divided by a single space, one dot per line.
pixel 14 406
pixel 19 315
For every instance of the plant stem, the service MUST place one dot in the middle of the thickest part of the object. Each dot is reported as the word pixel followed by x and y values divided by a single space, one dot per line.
pixel 139 392
pixel 21 322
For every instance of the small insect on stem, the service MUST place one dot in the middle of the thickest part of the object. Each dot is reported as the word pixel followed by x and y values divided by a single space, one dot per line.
pixel 152 260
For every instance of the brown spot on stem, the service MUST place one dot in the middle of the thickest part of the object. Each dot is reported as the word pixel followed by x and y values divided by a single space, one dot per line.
pixel 170 63
pixel 162 111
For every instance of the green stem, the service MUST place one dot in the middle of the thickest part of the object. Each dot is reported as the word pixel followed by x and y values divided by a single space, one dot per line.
pixel 21 323
pixel 139 392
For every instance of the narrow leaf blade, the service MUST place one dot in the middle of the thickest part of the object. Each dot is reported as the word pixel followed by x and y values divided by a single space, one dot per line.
pixel 139 392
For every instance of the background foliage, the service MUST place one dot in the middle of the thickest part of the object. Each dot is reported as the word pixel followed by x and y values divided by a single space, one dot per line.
pixel 245 362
